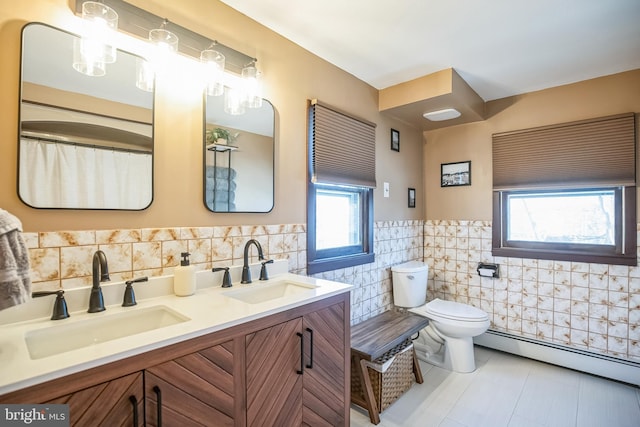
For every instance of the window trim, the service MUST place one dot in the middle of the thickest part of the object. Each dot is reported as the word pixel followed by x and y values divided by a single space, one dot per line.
pixel 625 254
pixel 333 259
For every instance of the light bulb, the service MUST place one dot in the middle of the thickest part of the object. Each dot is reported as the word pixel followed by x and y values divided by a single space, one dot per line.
pixel 252 86
pixel 213 62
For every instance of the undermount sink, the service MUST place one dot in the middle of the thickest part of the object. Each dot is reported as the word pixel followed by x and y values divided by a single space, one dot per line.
pixel 72 336
pixel 258 292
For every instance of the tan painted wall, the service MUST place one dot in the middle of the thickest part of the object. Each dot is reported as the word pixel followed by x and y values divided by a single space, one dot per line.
pixel 291 76
pixel 604 96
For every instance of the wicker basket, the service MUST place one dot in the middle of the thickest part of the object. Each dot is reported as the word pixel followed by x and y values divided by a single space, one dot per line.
pixel 389 385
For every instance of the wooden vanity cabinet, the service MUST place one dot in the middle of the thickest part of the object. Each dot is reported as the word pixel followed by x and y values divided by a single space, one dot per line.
pixel 118 402
pixel 296 371
pixel 274 382
pixel 196 389
pixel 327 377
pixel 245 375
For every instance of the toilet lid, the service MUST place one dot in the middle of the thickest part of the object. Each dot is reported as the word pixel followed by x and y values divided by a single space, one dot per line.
pixel 455 310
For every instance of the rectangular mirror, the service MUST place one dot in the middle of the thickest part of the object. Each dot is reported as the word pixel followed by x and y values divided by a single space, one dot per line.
pixel 85 142
pixel 239 158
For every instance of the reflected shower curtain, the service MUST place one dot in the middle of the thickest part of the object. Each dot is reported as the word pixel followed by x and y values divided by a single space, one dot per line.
pixel 72 176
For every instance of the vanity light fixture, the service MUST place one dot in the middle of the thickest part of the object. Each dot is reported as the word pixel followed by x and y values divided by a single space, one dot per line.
pixel 440 115
pixel 86 59
pixel 93 50
pixel 252 87
pixel 164 39
pixel 234 101
pixel 165 43
pixel 101 20
pixel 139 23
pixel 213 63
pixel 145 75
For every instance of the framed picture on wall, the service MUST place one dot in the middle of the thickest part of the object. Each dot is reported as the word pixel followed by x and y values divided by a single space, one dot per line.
pixel 395 140
pixel 455 174
pixel 412 197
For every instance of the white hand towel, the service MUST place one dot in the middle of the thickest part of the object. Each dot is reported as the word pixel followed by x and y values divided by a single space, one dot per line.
pixel 15 282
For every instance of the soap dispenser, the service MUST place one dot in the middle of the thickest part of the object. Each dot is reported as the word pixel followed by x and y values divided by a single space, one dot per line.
pixel 184 277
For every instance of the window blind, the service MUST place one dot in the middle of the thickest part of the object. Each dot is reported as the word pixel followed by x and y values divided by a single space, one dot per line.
pixel 342 148
pixel 591 152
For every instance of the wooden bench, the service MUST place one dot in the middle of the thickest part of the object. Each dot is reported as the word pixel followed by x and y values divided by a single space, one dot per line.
pixel 374 337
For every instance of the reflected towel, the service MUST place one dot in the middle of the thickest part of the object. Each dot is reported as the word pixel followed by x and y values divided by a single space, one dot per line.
pixel 220 172
pixel 15 282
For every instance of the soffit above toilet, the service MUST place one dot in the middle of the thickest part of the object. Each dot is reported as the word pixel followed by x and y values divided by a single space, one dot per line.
pixel 445 89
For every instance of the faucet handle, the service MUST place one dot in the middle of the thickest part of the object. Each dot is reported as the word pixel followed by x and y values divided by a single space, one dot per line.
pixel 129 299
pixel 226 279
pixel 60 310
pixel 263 270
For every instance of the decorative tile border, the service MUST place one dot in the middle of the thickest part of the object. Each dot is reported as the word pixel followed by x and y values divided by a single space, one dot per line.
pixel 63 260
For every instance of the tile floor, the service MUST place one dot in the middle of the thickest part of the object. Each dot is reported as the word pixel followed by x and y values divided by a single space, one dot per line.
pixel 511 391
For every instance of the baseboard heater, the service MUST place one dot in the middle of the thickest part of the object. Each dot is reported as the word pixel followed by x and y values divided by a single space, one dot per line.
pixel 579 360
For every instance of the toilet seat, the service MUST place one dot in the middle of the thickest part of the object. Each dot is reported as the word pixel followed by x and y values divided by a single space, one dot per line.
pixel 454 311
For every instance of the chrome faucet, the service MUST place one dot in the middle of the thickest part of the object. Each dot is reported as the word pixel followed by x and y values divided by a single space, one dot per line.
pixel 246 273
pixel 100 272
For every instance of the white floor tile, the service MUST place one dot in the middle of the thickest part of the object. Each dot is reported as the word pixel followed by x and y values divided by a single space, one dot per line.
pixel 604 402
pixel 485 403
pixel 547 401
pixel 507 390
pixel 447 422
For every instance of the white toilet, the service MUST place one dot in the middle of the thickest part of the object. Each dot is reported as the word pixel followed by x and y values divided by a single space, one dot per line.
pixel 448 339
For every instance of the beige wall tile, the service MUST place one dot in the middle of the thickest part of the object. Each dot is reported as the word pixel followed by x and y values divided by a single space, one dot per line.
pixel 147 255
pixel 76 261
pixel 119 257
pixel 45 264
pixel 110 237
pixel 67 238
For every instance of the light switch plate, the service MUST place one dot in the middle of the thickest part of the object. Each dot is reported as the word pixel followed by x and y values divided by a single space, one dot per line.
pixel 386 189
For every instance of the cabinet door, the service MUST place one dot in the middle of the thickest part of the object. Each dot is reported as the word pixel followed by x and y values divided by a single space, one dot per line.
pixel 196 389
pixel 274 384
pixel 118 402
pixel 324 374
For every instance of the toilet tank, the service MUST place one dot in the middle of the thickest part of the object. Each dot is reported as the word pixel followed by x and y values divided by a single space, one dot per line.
pixel 410 283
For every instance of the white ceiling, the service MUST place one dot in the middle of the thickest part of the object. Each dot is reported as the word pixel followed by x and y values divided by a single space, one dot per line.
pixel 499 47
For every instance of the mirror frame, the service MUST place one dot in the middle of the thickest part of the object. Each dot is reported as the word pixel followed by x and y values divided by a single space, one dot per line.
pixel 114 130
pixel 204 158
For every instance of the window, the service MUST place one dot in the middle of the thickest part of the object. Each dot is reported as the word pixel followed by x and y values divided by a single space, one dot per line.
pixel 340 190
pixel 338 218
pixel 567 192
pixel 573 225
pixel 340 227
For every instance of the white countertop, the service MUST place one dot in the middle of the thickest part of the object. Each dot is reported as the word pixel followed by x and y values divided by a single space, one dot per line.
pixel 208 310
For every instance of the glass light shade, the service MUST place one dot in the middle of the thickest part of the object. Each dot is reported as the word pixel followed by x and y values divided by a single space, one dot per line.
pixel 87 59
pixel 145 75
pixel 213 62
pixel 252 86
pixel 165 40
pixel 101 21
pixel 233 102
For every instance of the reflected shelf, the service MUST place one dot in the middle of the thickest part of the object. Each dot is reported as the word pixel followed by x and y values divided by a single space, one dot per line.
pixel 221 147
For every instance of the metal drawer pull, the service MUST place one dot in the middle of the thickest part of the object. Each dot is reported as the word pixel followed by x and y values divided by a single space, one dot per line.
pixel 301 370
pixel 156 389
pixel 310 365
pixel 134 403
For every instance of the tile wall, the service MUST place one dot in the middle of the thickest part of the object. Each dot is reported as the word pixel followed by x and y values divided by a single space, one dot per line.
pixel 594 307
pixel 64 259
